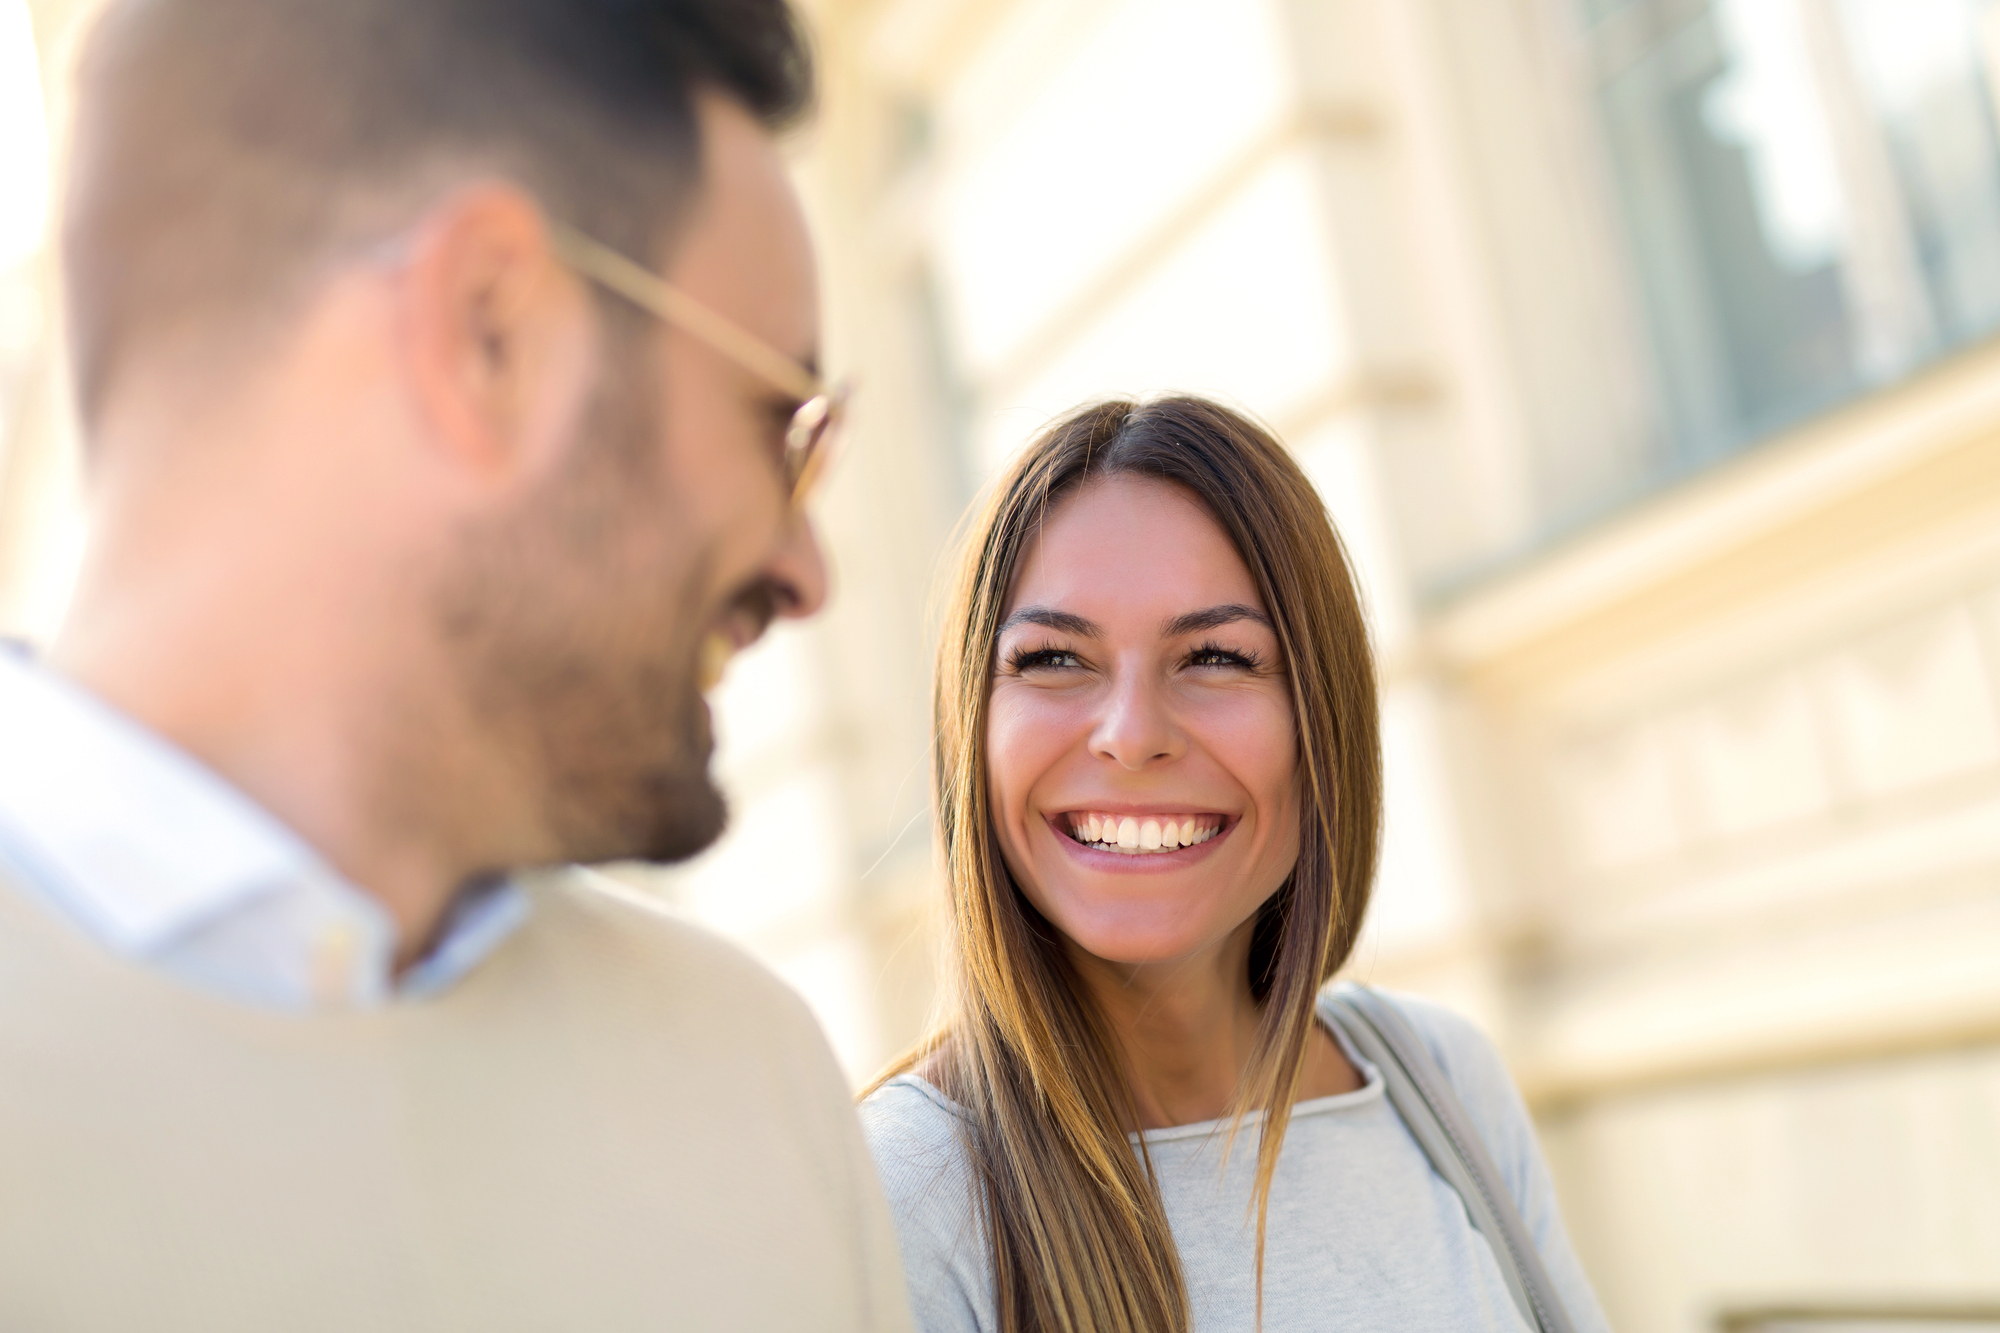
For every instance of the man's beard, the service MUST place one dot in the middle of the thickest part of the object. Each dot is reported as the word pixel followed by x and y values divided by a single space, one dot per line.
pixel 586 668
pixel 624 743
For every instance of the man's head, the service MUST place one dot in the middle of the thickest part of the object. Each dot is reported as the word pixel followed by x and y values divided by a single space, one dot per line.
pixel 519 506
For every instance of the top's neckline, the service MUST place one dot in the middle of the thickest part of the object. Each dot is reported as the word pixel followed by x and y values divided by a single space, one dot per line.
pixel 1371 1089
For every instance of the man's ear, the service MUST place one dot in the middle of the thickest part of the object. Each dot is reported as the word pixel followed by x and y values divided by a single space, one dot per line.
pixel 499 342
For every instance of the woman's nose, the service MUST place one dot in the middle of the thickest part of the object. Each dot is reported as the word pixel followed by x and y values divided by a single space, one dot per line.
pixel 1136 727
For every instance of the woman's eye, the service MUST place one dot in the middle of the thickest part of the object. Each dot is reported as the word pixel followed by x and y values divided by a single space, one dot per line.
pixel 1216 657
pixel 1044 659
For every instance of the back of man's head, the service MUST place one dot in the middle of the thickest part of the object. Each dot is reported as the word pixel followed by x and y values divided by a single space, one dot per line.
pixel 231 151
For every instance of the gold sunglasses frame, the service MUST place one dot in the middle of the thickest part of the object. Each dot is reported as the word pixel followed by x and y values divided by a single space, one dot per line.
pixel 811 437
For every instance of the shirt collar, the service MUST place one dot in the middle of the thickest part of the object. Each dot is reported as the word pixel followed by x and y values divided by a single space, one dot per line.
pixel 162 860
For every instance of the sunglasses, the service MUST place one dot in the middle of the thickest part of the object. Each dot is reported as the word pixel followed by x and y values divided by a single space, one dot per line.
pixel 816 428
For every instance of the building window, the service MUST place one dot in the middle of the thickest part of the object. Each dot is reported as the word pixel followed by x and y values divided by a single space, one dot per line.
pixel 1811 193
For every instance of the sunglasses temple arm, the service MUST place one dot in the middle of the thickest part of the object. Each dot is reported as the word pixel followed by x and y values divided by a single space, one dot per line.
pixel 648 292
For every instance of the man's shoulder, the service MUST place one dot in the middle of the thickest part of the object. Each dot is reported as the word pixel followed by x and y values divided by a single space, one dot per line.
pixel 581 896
pixel 628 937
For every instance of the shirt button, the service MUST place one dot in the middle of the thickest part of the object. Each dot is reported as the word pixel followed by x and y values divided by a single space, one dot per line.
pixel 333 965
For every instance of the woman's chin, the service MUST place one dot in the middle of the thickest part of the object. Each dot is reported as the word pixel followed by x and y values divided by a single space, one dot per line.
pixel 1135 920
pixel 1127 942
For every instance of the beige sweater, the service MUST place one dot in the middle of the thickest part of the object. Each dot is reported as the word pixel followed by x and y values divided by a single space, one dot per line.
pixel 616 1122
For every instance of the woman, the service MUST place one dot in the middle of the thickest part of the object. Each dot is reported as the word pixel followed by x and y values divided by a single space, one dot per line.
pixel 1158 784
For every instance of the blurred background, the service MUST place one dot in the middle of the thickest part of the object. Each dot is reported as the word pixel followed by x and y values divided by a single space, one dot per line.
pixel 1645 352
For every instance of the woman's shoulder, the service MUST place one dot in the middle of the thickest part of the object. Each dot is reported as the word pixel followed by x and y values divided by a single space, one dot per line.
pixel 1478 1074
pixel 1461 1048
pixel 911 1123
pixel 916 1135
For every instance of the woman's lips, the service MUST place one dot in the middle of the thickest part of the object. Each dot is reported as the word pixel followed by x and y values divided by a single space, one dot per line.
pixel 1129 841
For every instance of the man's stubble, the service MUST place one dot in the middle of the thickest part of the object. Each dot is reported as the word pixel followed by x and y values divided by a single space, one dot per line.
pixel 580 651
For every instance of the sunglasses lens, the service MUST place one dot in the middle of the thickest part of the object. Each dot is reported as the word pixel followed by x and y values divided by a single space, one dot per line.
pixel 810 443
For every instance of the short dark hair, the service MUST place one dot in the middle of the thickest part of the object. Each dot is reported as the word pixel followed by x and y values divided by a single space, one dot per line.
pixel 228 150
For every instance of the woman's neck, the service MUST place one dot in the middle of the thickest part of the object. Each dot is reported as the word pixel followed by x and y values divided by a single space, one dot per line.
pixel 1187 1031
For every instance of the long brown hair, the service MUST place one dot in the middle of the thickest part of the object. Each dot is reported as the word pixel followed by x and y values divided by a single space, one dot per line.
pixel 1078 1235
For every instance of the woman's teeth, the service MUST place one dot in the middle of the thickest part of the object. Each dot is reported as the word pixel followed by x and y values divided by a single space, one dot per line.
pixel 1136 836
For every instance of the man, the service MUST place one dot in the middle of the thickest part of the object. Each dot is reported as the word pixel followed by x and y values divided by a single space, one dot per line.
pixel 446 373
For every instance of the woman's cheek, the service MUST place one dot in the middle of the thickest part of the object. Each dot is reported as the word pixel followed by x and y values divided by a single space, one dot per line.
pixel 1028 727
pixel 1023 740
pixel 1010 737
pixel 1252 734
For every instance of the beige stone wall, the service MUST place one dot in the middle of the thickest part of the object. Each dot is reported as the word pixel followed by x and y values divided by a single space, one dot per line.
pixel 1694 809
pixel 1746 740
pixel 40 518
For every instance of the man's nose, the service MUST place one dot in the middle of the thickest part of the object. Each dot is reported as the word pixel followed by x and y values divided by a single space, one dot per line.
pixel 1137 727
pixel 798 571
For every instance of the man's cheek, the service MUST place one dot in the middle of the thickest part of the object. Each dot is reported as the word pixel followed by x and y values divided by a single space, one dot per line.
pixel 746 540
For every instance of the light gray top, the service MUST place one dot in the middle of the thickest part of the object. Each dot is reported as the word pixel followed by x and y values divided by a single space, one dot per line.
pixel 1363 1234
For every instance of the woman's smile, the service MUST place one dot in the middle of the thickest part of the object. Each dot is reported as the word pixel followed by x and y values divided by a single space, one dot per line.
pixel 1138 842
pixel 1141 833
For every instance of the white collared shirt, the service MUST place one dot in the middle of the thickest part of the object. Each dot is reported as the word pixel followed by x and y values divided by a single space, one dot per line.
pixel 164 863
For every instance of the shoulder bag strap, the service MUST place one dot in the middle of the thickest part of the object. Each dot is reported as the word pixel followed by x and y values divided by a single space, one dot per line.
pixel 1422 1095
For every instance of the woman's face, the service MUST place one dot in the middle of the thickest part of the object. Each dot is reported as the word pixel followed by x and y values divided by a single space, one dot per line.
pixel 1140 747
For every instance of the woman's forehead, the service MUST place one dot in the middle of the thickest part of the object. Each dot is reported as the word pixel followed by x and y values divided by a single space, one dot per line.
pixel 1127 540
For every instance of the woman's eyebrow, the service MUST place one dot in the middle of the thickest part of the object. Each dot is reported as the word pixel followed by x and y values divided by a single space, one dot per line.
pixel 1214 617
pixel 1048 617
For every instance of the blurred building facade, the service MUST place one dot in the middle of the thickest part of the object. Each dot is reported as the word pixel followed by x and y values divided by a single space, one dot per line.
pixel 1644 352
pixel 39 514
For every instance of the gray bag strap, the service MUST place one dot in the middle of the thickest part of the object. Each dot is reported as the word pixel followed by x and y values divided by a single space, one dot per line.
pixel 1422 1095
